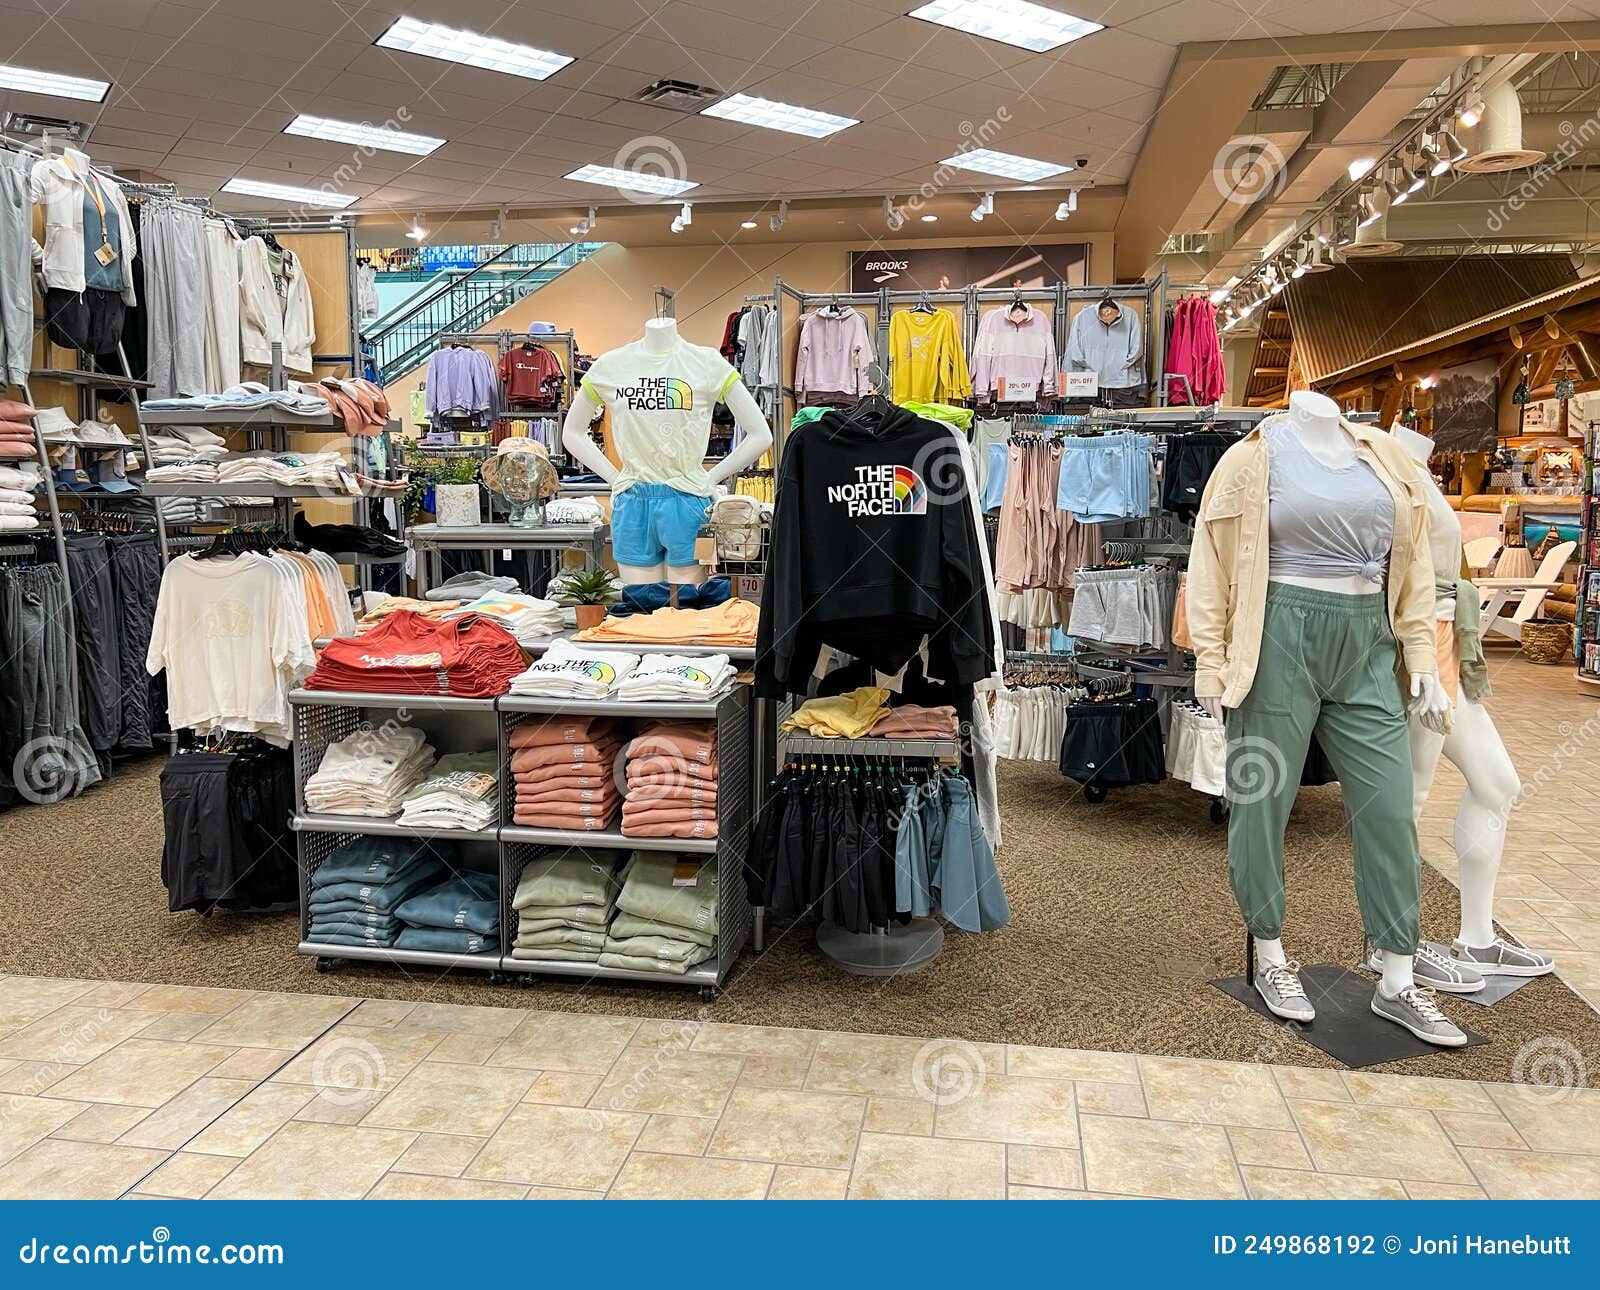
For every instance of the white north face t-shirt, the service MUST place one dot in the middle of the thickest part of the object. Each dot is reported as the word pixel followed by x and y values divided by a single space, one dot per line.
pixel 660 408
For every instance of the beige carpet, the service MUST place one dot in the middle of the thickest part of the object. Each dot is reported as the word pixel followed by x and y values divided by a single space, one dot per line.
pixel 1122 913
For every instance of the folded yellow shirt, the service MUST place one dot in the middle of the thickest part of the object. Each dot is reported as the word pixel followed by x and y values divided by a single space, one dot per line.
pixel 731 623
pixel 842 716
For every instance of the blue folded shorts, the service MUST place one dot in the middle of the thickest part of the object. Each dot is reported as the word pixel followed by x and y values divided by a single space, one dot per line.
pixel 654 524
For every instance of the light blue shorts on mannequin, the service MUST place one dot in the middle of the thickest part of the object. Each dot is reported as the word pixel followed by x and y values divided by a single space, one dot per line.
pixel 652 524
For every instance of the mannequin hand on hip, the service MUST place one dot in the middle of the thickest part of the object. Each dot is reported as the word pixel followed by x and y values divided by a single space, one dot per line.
pixel 1430 703
pixel 1212 705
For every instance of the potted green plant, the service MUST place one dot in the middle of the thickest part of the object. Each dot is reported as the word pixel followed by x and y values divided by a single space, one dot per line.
pixel 590 591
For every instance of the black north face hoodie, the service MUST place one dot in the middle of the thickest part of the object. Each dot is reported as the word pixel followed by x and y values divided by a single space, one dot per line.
pixel 873 549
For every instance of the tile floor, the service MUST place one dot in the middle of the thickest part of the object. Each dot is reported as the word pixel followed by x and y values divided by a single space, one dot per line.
pixel 306 1096
pixel 112 1089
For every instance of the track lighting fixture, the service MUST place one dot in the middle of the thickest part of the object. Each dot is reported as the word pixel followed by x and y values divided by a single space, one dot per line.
pixel 1062 211
pixel 984 207
pixel 1367 211
pixel 892 217
pixel 684 218
pixel 1396 191
pixel 1431 160
pixel 1472 114
pixel 1452 146
pixel 777 221
pixel 418 230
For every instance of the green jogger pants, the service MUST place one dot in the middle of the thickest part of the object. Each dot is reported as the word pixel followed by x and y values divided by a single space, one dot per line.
pixel 1327 666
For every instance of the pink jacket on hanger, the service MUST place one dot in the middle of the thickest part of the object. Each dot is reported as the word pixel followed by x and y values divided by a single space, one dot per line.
pixel 1195 352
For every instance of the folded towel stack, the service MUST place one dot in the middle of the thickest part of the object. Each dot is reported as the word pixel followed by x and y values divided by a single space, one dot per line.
pixel 676 677
pixel 462 792
pixel 568 672
pixel 664 923
pixel 370 772
pixel 460 915
pixel 357 891
pixel 563 901
pixel 672 781
pixel 563 772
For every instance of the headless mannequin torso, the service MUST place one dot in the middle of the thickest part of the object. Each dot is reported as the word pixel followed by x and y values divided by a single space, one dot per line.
pixel 1315 421
pixel 660 335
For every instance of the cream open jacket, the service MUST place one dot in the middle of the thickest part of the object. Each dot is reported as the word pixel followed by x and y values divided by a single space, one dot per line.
pixel 262 319
pixel 1226 592
pixel 56 184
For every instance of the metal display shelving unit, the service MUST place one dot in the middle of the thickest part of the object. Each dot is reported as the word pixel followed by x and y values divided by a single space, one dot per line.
pixel 430 541
pixel 322 717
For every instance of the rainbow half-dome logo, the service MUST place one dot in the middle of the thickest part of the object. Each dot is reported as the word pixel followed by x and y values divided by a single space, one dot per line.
pixel 910 497
pixel 679 397
pixel 602 672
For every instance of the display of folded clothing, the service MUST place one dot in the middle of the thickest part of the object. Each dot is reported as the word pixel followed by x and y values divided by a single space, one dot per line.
pixel 666 915
pixel 356 893
pixel 337 539
pixel 911 721
pixel 841 716
pixel 563 901
pixel 672 781
pixel 391 605
pixel 294 469
pixel 370 772
pixel 407 653
pixel 186 472
pixel 467 901
pixel 730 624
pixel 245 396
pixel 573 510
pixel 461 792
pixel 562 773
pixel 523 616
pixel 677 677
pixel 647 597
pixel 443 940
pixel 465 586
pixel 16 430
pixel 568 671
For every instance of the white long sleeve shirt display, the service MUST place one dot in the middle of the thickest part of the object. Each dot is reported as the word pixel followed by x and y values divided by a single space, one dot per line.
pixel 231 633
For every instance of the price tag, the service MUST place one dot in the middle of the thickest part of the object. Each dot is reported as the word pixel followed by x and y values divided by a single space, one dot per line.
pixel 1079 385
pixel 1015 391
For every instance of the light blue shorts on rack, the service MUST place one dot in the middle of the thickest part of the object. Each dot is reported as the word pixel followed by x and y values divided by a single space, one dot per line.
pixel 653 524
pixel 994 479
pixel 1105 478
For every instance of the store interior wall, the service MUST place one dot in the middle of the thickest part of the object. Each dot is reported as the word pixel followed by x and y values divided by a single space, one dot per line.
pixel 606 299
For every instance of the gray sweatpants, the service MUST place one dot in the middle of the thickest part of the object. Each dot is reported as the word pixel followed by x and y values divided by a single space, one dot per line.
pixel 172 240
pixel 16 269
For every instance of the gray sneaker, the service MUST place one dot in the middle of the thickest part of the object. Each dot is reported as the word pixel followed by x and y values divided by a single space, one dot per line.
pixel 1435 968
pixel 1279 986
pixel 1416 1011
pixel 1502 959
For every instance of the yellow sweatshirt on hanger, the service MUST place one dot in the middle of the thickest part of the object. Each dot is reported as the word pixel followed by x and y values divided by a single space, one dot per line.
pixel 927 363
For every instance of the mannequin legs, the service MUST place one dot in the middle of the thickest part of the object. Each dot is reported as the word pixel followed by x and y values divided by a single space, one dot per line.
pixel 1473 747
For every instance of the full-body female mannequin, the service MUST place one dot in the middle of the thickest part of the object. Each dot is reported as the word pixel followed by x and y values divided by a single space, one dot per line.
pixel 1312 640
pixel 660 391
pixel 1473 746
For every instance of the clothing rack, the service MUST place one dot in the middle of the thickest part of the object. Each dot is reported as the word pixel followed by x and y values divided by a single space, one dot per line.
pixel 947 751
pixel 505 340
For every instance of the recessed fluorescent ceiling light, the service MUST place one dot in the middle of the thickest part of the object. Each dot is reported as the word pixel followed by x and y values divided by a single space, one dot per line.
pixel 1016 22
pixel 632 181
pixel 434 40
pixel 1005 164
pixel 779 116
pixel 362 136
pixel 287 193
pixel 53 83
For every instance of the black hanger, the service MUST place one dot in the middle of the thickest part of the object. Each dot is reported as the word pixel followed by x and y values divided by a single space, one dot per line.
pixel 869 405
pixel 922 306
pixel 271 241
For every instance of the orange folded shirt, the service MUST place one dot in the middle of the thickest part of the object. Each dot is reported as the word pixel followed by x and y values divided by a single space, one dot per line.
pixel 699 792
pixel 564 730
pixel 692 740
pixel 687 829
pixel 524 759
pixel 731 623
pixel 658 767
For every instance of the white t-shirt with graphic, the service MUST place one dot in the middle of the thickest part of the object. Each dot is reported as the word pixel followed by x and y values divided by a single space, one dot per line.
pixel 660 406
